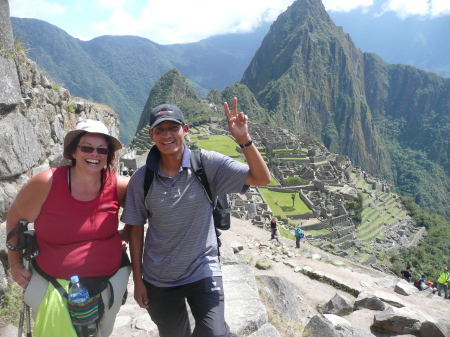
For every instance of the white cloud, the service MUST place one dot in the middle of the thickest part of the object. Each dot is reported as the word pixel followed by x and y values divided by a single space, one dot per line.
pixel 440 7
pixel 174 21
pixel 112 4
pixel 119 23
pixel 345 5
pixel 35 8
pixel 405 8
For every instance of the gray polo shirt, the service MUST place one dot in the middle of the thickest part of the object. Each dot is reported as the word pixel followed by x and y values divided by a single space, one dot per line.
pixel 180 244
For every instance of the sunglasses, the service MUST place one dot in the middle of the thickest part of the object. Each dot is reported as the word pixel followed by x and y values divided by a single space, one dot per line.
pixel 89 149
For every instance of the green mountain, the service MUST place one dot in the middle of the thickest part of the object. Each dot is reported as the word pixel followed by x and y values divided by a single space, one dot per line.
pixel 120 70
pixel 172 88
pixel 393 120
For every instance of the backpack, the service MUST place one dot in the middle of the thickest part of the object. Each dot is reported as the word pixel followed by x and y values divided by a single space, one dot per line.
pixel 221 207
pixel 417 283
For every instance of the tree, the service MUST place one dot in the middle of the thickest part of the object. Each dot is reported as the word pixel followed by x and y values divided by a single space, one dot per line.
pixel 293 199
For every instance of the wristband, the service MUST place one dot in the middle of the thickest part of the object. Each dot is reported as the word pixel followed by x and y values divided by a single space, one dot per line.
pixel 250 142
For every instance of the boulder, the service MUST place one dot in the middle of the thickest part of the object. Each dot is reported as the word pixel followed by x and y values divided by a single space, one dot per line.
pixel 368 301
pixel 404 288
pixel 244 311
pixel 267 330
pixel 399 320
pixel 438 328
pixel 227 255
pixel 319 325
pixel 282 296
pixel 338 305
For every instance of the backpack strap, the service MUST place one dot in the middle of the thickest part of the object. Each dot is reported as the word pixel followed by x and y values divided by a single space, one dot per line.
pixel 148 179
pixel 200 174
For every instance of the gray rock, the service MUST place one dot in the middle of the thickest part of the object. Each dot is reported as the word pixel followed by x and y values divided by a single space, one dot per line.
pixel 227 255
pixel 282 296
pixel 244 311
pixel 349 331
pixel 237 246
pixel 320 326
pixel 20 149
pixel 3 282
pixel 6 34
pixel 438 328
pixel 404 288
pixel 399 320
pixel 9 82
pixel 338 305
pixel 267 330
pixel 368 301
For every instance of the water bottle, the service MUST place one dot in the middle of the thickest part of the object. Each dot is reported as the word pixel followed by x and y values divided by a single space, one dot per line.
pixel 79 293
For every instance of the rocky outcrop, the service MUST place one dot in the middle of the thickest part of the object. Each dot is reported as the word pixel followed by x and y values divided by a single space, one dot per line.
pixel 33 132
pixel 9 80
pixel 398 320
pixel 339 305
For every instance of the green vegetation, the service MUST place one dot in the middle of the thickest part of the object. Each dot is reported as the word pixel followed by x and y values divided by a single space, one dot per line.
pixel 273 181
pixel 10 308
pixel 357 208
pixel 315 232
pixel 294 181
pixel 432 252
pixel 222 144
pixel 281 204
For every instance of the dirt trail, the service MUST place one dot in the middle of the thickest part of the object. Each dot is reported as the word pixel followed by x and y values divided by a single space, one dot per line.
pixel 313 293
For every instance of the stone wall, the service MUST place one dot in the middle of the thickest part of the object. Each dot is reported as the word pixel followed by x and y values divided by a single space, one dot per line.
pixel 34 118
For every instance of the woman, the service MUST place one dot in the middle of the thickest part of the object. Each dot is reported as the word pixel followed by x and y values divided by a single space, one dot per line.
pixel 75 213
pixel 273 228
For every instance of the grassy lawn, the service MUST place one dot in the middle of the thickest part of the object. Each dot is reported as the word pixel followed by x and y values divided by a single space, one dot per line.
pixel 281 204
pixel 273 181
pixel 222 144
pixel 315 232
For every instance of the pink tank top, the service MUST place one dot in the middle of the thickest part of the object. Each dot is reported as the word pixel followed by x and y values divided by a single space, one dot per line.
pixel 79 237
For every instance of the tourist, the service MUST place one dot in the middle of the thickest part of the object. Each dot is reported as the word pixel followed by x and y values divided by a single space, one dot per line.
pixel 298 236
pixel 273 228
pixel 180 257
pixel 75 212
pixel 406 274
pixel 443 281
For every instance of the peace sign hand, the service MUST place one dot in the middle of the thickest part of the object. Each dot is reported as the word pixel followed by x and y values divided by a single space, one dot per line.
pixel 237 123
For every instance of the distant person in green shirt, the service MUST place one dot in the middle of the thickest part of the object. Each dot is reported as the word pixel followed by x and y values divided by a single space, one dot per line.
pixel 298 236
pixel 443 280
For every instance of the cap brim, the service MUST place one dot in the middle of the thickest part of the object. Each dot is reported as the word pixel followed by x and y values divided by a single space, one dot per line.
pixel 160 120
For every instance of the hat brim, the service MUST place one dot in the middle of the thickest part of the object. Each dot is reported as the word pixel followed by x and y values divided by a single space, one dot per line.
pixel 72 134
pixel 160 120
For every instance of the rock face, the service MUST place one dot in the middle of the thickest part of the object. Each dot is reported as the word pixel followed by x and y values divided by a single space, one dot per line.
pixel 33 133
pixel 9 80
pixel 404 288
pixel 280 292
pixel 438 328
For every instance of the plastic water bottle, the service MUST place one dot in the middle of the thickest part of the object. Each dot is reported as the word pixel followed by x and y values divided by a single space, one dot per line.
pixel 79 293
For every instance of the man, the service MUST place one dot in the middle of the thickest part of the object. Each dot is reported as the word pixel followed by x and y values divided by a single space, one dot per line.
pixel 180 258
pixel 443 280
pixel 406 274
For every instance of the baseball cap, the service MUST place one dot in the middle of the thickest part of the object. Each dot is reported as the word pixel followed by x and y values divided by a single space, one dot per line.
pixel 166 112
pixel 91 126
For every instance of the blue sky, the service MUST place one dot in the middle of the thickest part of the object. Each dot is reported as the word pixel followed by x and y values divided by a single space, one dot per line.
pixel 182 21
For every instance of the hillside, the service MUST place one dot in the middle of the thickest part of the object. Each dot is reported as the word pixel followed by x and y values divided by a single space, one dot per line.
pixel 390 119
pixel 120 70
